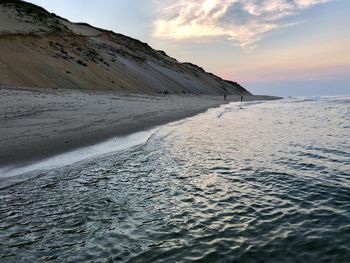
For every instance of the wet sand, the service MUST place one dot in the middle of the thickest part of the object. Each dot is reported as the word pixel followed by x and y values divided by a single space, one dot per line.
pixel 37 124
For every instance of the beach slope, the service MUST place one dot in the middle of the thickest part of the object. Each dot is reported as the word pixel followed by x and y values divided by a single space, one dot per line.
pixel 36 124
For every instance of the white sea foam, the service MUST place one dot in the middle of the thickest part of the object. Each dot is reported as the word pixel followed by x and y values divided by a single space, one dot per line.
pixel 236 106
pixel 110 146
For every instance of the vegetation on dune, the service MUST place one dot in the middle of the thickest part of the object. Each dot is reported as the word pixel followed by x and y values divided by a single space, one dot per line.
pixel 29 9
pixel 36 12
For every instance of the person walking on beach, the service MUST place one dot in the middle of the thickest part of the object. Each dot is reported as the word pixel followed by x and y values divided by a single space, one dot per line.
pixel 241 98
pixel 224 97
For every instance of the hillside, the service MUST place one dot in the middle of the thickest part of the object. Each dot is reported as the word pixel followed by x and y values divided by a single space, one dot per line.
pixel 40 49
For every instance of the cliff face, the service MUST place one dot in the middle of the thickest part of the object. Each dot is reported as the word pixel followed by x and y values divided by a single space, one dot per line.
pixel 40 49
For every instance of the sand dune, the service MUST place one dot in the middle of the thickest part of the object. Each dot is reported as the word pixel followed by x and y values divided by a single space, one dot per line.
pixel 39 49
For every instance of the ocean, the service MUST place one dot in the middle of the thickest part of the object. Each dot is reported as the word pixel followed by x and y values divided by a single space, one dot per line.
pixel 265 181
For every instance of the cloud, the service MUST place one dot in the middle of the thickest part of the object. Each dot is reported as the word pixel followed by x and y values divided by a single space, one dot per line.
pixel 244 22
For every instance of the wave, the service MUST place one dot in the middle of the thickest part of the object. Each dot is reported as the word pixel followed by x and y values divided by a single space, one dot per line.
pixel 237 106
pixel 15 174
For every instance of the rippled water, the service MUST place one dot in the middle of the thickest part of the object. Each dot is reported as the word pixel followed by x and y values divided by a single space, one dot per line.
pixel 251 182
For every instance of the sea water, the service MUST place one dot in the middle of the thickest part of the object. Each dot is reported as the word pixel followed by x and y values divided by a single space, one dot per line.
pixel 246 182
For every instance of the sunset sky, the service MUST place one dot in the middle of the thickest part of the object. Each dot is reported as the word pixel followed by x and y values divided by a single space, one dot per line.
pixel 277 47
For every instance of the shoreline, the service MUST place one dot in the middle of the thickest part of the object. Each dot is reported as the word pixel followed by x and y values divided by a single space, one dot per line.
pixel 37 124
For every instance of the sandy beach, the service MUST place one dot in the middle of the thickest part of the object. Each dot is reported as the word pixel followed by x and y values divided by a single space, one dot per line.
pixel 90 85
pixel 36 123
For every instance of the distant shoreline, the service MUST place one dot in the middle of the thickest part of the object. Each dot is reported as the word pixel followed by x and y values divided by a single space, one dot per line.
pixel 36 124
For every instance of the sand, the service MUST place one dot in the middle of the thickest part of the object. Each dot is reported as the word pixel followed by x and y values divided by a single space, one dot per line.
pixel 33 53
pixel 37 124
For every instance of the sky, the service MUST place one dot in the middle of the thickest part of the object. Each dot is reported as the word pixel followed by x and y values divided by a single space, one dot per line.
pixel 275 47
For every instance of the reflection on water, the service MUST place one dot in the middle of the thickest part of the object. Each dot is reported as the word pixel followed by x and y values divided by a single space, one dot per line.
pixel 263 182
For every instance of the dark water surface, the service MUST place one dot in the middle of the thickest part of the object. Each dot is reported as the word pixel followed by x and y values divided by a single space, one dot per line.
pixel 251 182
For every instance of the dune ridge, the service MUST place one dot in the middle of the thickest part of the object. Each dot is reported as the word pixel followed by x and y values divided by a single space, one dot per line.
pixel 41 49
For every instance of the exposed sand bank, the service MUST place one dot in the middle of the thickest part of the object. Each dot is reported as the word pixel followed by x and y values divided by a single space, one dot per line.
pixel 36 124
pixel 39 49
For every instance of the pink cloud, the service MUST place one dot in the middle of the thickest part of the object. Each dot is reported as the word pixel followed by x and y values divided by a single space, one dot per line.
pixel 244 22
